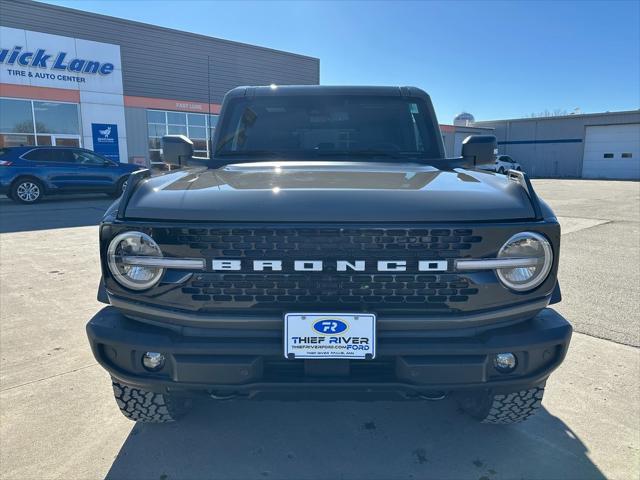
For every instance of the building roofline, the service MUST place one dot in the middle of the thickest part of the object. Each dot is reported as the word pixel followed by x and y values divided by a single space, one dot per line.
pixel 559 117
pixel 157 27
pixel 464 126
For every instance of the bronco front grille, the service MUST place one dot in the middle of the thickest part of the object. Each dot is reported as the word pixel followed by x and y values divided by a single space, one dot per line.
pixel 369 290
pixel 327 243
pixel 337 289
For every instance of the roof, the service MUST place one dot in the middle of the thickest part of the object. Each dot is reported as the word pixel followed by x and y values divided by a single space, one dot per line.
pixel 560 117
pixel 448 125
pixel 325 90
pixel 48 147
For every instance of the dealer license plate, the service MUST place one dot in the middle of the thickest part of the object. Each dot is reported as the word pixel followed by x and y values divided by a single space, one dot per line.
pixel 330 335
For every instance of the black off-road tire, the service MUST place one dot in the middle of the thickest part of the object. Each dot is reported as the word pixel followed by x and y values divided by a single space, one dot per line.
pixel 503 409
pixel 148 407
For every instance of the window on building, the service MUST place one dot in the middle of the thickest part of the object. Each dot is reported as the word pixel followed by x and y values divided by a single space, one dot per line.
pixel 16 123
pixel 213 122
pixel 67 142
pixel 16 140
pixel 627 155
pixel 54 117
pixel 608 155
pixel 197 127
pixel 197 132
pixel 30 122
pixel 156 127
pixel 15 116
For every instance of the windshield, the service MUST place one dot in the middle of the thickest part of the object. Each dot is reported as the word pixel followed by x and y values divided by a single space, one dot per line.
pixel 324 126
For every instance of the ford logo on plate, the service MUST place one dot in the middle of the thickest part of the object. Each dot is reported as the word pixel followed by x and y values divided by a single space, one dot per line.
pixel 330 326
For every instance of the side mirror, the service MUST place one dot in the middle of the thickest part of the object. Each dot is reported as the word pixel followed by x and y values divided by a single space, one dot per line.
pixel 177 150
pixel 479 150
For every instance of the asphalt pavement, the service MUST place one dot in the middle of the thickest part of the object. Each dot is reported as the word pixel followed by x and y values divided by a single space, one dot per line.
pixel 58 418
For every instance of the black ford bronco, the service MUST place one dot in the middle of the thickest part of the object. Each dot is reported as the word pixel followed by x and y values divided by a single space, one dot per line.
pixel 329 250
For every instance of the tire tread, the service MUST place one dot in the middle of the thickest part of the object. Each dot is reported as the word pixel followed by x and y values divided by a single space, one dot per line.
pixel 514 407
pixel 144 406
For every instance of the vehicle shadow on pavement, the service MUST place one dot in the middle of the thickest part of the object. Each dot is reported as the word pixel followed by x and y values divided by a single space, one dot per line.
pixel 52 212
pixel 348 440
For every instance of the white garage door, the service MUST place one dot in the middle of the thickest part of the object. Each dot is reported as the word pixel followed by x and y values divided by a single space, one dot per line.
pixel 612 151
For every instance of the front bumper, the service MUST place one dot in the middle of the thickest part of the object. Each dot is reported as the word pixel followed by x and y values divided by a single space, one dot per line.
pixel 229 362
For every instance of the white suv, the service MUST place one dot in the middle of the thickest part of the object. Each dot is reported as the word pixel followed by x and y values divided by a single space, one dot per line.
pixel 502 164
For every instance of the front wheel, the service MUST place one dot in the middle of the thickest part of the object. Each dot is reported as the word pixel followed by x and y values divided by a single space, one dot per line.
pixel 501 171
pixel 509 408
pixel 120 188
pixel 148 407
pixel 27 190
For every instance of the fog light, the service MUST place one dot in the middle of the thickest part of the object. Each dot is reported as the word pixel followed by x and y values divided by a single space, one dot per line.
pixel 505 362
pixel 153 361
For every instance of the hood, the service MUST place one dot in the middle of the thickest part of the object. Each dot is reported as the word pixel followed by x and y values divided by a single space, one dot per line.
pixel 129 167
pixel 329 192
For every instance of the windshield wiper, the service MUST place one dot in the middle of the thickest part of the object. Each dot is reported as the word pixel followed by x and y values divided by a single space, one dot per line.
pixel 373 155
pixel 355 153
pixel 250 153
pixel 251 156
pixel 239 156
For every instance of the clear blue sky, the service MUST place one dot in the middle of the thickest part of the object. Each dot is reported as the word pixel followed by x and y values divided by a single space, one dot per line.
pixel 493 59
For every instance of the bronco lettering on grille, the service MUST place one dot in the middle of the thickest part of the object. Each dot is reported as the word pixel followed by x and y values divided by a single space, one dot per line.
pixel 319 265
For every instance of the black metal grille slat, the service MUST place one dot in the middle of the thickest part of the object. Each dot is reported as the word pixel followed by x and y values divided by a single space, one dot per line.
pixel 254 243
pixel 326 288
pixel 372 290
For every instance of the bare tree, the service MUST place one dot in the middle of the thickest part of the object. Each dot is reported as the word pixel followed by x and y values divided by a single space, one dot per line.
pixel 557 112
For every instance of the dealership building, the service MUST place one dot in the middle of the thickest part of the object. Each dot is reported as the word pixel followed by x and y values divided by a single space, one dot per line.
pixel 115 86
pixel 596 145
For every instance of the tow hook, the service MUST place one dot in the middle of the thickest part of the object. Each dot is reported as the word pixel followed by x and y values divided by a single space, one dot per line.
pixel 223 397
pixel 433 397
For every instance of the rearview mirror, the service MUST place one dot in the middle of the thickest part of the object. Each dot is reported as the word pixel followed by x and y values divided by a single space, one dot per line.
pixel 479 150
pixel 177 150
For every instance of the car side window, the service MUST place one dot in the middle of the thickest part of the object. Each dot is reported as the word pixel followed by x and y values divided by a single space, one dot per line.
pixel 46 155
pixel 64 156
pixel 82 157
pixel 38 155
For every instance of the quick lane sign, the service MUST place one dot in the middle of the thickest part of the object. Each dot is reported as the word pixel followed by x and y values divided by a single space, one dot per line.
pixel 58 62
pixel 45 60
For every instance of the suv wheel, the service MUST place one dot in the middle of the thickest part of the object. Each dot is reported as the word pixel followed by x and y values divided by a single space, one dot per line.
pixel 120 188
pixel 501 171
pixel 27 190
pixel 148 407
pixel 512 407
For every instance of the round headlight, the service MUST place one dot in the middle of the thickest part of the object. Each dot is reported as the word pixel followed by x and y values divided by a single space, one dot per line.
pixel 124 260
pixel 535 251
